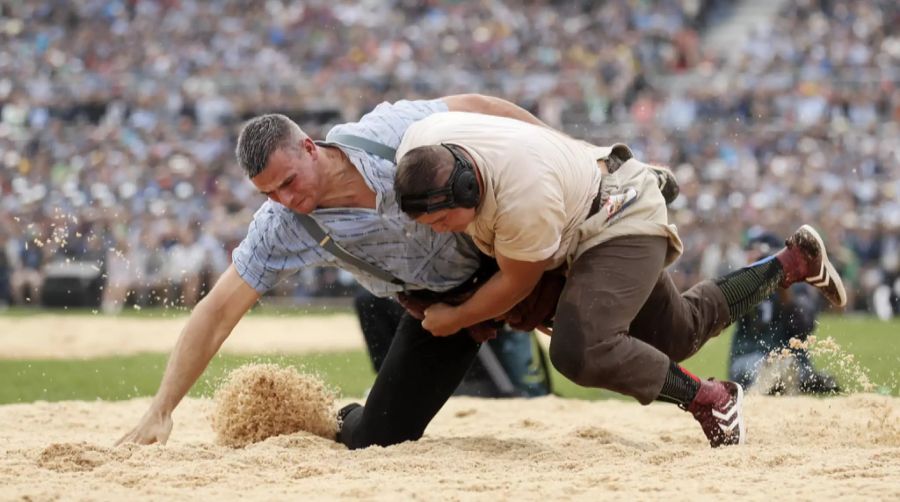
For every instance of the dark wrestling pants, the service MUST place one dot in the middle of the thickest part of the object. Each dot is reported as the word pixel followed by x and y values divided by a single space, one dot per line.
pixel 523 371
pixel 620 318
pixel 418 375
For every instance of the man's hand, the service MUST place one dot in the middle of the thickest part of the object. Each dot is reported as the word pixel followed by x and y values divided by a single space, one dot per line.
pixel 502 291
pixel 442 320
pixel 208 326
pixel 480 332
pixel 154 427
pixel 539 306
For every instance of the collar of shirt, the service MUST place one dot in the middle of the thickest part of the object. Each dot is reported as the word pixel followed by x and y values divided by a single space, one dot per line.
pixel 378 173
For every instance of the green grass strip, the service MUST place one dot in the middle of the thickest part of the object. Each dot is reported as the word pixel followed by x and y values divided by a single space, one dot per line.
pixel 875 346
pixel 116 378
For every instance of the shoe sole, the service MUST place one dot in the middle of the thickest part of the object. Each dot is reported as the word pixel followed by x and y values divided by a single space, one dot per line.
pixel 827 271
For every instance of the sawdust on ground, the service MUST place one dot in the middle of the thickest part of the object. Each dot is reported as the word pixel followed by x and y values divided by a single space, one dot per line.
pixel 541 449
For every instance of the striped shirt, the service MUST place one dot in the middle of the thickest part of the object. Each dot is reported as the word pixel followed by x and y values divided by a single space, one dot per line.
pixel 277 245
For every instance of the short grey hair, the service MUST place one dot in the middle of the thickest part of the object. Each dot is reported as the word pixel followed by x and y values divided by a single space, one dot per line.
pixel 261 137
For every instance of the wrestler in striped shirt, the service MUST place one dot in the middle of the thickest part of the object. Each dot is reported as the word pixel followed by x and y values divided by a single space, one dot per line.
pixel 350 194
pixel 277 244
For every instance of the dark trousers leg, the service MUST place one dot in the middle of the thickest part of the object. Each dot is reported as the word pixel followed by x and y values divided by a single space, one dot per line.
pixel 419 374
pixel 678 324
pixel 624 319
pixel 605 290
pixel 378 320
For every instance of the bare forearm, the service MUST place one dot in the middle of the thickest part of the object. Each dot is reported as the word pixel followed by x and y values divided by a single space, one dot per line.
pixel 208 326
pixel 199 341
pixel 498 295
pixel 490 105
pixel 210 323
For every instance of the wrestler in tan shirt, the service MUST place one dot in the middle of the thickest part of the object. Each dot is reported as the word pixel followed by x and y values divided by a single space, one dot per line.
pixel 537 186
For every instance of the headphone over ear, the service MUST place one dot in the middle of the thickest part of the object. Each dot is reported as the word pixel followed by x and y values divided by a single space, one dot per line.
pixel 461 189
pixel 463 182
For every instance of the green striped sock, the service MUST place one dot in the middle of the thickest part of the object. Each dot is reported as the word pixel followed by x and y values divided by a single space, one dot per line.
pixel 745 288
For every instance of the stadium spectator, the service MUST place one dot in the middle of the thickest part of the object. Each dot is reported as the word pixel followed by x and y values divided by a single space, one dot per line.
pixel 185 265
pixel 121 275
pixel 129 108
pixel 27 276
pixel 5 270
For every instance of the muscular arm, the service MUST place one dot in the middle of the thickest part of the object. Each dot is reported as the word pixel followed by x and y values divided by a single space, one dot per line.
pixel 489 105
pixel 210 323
pixel 498 295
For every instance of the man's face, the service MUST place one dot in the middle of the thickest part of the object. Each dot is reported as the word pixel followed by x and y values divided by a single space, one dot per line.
pixel 448 220
pixel 291 177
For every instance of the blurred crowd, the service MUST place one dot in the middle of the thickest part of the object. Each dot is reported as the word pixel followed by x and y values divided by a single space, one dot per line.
pixel 118 120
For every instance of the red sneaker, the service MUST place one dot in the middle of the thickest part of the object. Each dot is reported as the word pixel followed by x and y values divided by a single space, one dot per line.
pixel 804 259
pixel 718 406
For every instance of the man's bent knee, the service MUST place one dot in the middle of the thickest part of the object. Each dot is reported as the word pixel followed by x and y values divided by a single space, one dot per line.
pixel 585 367
pixel 356 433
pixel 567 358
pixel 567 345
pixel 359 441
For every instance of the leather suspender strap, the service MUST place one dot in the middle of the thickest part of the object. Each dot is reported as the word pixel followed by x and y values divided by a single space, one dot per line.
pixel 364 144
pixel 325 240
pixel 318 233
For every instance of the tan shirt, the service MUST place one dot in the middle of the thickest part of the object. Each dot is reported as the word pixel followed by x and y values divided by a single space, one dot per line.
pixel 538 183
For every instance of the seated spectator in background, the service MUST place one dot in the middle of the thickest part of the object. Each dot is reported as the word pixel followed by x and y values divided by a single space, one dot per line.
pixel 27 278
pixel 786 314
pixel 121 276
pixel 186 260
pixel 886 295
pixel 5 269
pixel 524 369
pixel 148 265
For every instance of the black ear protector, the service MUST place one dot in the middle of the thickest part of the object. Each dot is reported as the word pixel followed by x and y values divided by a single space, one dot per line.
pixel 461 189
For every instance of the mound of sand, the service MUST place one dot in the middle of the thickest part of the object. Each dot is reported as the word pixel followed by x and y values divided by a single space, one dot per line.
pixel 540 449
pixel 259 401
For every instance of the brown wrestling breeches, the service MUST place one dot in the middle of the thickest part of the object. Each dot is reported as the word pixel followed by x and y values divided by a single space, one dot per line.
pixel 621 319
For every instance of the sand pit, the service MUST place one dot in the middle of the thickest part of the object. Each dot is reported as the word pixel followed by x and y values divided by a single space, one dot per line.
pixel 543 449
